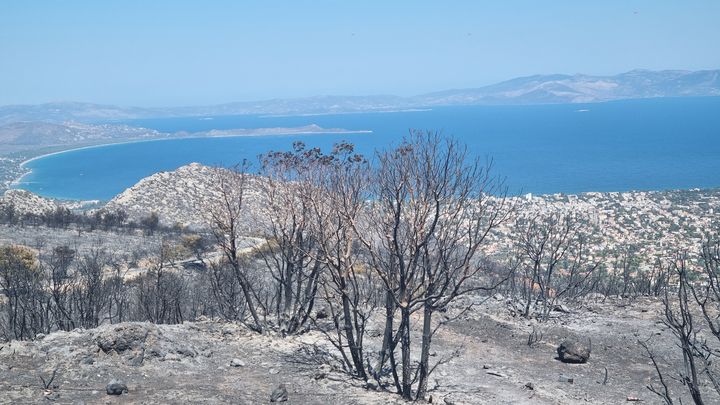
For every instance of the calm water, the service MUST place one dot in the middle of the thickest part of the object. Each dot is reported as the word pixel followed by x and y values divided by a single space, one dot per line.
pixel 629 145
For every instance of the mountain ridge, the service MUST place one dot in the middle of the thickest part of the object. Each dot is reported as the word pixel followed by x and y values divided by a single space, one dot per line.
pixel 534 89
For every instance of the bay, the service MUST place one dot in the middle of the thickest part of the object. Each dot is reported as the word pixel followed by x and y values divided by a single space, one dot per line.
pixel 649 144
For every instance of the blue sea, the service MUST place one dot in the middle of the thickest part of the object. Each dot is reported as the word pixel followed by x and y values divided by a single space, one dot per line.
pixel 651 144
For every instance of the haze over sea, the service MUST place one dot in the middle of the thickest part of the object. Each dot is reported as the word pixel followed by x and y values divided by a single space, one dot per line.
pixel 650 144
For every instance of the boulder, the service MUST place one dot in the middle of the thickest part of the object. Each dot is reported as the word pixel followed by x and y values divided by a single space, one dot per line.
pixel 185 351
pixel 172 357
pixel 279 394
pixel 566 379
pixel 122 337
pixel 574 351
pixel 116 387
pixel 237 363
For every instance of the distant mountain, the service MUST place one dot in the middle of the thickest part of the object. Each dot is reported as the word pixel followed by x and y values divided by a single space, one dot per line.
pixel 545 89
pixel 69 111
pixel 539 89
pixel 33 134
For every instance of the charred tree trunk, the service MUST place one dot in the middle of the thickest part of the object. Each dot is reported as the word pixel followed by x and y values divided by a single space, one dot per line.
pixel 424 371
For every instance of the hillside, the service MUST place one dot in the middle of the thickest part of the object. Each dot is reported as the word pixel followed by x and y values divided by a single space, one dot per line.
pixel 20 136
pixel 537 89
pixel 181 196
pixel 649 220
pixel 557 89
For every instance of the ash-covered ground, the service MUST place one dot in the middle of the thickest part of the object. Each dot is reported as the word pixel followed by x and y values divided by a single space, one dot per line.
pixel 217 362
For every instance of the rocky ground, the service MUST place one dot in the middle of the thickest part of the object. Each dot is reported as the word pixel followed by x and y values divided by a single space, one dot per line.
pixel 213 362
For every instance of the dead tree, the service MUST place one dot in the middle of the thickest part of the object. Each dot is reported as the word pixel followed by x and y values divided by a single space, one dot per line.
pixel 60 286
pixel 431 213
pixel 336 191
pixel 678 317
pixel 161 291
pixel 627 265
pixel 226 221
pixel 707 298
pixel 553 256
pixel 26 310
pixel 292 251
pixel 88 293
pixel 687 293
pixel 225 291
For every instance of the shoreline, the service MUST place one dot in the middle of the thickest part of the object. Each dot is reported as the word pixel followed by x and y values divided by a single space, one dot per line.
pixel 16 182
pixel 285 133
pixel 344 113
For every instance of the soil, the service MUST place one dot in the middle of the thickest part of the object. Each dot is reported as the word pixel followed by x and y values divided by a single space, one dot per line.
pixel 191 363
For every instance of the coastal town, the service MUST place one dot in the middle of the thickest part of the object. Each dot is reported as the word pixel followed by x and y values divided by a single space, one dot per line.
pixel 655 225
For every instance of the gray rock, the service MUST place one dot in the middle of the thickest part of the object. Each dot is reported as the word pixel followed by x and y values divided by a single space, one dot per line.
pixel 122 337
pixel 87 360
pixel 237 363
pixel 136 360
pixel 564 378
pixel 52 396
pixel 186 351
pixel 172 357
pixel 322 372
pixel 279 394
pixel 116 387
pixel 574 351
pixel 321 314
pixel 155 352
pixel 40 336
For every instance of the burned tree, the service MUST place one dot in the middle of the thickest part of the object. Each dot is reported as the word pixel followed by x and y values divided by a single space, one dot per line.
pixel 693 294
pixel 336 190
pixel 553 258
pixel 61 284
pixel 226 218
pixel 88 293
pixel 433 208
pixel 25 302
pixel 291 252
pixel 161 291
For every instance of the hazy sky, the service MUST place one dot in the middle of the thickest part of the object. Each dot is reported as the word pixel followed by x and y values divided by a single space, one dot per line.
pixel 169 53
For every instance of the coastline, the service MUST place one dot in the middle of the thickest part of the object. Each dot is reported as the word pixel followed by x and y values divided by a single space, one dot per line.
pixel 258 134
pixel 345 113
pixel 16 182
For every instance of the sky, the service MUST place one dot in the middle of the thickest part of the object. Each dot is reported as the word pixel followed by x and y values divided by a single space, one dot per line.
pixel 174 53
